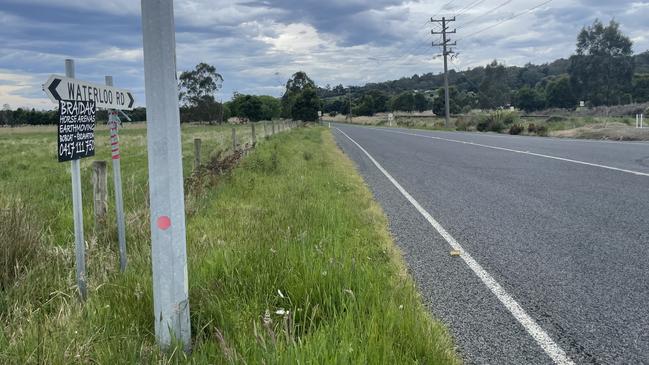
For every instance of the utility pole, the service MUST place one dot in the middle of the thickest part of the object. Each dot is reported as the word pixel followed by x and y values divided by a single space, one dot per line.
pixel 166 189
pixel 446 42
pixel 349 95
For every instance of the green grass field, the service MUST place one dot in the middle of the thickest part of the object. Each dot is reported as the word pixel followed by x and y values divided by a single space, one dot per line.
pixel 290 261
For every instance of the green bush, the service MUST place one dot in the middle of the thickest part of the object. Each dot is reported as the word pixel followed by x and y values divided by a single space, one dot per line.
pixel 541 130
pixel 516 129
pixel 496 122
pixel 531 128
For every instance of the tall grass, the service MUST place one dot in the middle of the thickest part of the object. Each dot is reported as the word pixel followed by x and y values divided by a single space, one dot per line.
pixel 20 241
pixel 290 261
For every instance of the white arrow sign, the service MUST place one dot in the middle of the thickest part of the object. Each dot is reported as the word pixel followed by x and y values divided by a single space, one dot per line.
pixel 64 88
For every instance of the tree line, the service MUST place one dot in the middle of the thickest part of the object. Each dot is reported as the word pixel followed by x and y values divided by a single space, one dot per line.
pixel 603 71
pixel 197 98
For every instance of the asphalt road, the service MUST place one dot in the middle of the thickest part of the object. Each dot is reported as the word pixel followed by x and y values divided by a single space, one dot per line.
pixel 561 226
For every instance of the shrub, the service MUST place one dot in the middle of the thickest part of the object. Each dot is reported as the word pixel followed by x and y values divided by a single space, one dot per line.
pixel 516 129
pixel 541 130
pixel 461 124
pixel 531 128
pixel 20 240
pixel 496 122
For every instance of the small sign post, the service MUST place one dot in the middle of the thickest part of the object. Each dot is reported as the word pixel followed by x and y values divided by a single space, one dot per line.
pixel 113 125
pixel 72 148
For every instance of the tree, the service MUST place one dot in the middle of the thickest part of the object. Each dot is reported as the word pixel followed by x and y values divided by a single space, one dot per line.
pixel 421 102
pixel 559 93
pixel 529 99
pixel 197 89
pixel 251 108
pixel 199 83
pixel 6 115
pixel 404 102
pixel 439 102
pixel 641 87
pixel 603 67
pixel 381 101
pixel 271 107
pixel 366 106
pixel 307 105
pixel 297 84
pixel 494 89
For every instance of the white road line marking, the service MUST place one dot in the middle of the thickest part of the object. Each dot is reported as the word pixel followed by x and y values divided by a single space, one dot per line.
pixel 637 173
pixel 542 338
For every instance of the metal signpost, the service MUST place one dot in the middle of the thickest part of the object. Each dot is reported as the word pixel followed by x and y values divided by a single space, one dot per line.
pixel 113 125
pixel 168 255
pixel 71 153
pixel 78 101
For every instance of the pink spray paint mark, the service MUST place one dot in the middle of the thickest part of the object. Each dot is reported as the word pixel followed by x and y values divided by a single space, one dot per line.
pixel 164 223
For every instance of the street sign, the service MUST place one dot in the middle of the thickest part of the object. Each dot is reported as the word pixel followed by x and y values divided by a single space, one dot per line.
pixel 65 88
pixel 76 130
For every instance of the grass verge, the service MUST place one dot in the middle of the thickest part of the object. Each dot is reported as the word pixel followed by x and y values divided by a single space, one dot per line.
pixel 290 261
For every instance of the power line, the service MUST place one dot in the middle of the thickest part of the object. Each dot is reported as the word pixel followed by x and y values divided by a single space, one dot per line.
pixel 468 7
pixel 488 12
pixel 442 8
pixel 506 20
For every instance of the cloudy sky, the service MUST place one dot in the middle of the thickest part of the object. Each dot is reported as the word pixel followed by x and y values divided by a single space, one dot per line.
pixel 258 44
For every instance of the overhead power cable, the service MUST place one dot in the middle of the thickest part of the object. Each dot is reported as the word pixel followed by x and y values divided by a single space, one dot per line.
pixel 488 12
pixel 470 6
pixel 506 20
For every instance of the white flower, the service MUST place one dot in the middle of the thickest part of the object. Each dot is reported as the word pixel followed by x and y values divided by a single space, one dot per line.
pixel 282 312
pixel 280 293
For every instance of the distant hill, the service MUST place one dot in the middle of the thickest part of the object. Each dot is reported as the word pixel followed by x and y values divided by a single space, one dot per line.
pixel 469 80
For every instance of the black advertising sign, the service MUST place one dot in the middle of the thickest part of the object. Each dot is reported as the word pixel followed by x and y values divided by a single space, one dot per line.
pixel 76 129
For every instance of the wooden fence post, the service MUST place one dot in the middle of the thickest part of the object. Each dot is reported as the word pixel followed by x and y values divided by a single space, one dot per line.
pixel 234 139
pixel 197 153
pixel 273 125
pixel 100 192
pixel 254 134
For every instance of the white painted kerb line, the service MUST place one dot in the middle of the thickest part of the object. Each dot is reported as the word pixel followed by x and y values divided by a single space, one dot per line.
pixel 638 173
pixel 541 337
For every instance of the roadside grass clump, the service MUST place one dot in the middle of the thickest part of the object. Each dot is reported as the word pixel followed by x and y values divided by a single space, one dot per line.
pixel 464 124
pixel 516 129
pixel 496 121
pixel 20 242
